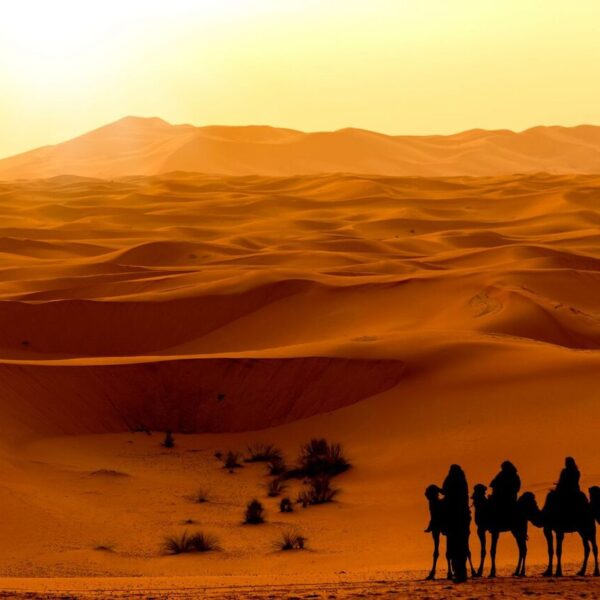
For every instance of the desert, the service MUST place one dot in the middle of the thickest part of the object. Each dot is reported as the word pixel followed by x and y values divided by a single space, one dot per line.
pixel 417 321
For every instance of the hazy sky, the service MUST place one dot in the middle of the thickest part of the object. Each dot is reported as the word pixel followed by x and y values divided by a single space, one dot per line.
pixel 397 66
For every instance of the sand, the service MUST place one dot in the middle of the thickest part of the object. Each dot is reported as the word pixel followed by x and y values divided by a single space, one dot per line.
pixel 151 146
pixel 397 587
pixel 419 321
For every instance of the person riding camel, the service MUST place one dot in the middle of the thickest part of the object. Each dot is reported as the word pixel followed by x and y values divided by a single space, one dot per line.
pixel 568 492
pixel 505 489
pixel 568 482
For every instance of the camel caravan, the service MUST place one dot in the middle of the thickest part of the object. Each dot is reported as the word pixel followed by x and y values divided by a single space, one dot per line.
pixel 567 510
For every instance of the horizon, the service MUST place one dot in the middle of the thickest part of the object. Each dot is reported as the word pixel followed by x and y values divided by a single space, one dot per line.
pixel 284 284
pixel 415 68
pixel 266 125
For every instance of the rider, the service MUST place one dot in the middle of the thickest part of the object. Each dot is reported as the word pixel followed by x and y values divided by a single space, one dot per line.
pixel 568 492
pixel 505 488
pixel 568 482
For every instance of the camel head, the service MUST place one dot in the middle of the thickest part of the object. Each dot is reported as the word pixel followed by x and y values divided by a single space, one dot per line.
pixel 479 492
pixel 528 504
pixel 595 501
pixel 432 492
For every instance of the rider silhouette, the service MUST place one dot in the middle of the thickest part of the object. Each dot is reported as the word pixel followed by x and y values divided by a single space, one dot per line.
pixel 505 489
pixel 568 482
pixel 568 492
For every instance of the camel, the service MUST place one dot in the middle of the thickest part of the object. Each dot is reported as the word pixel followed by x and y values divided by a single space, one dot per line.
pixel 437 528
pixel 489 519
pixel 559 517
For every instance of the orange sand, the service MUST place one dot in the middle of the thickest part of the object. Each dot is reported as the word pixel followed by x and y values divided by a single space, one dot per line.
pixel 417 321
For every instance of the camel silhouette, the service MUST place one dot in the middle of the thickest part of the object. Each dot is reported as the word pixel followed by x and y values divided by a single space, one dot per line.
pixel 437 528
pixel 559 517
pixel 495 519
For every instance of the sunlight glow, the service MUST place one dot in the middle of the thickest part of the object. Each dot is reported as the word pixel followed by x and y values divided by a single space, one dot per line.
pixel 398 66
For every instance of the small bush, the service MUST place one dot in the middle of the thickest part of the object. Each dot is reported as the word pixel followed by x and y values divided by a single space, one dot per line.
pixel 177 544
pixel 218 455
pixel 275 487
pixel 303 498
pixel 291 540
pixel 319 491
pixel 255 513
pixel 169 441
pixel 232 461
pixel 204 542
pixel 201 496
pixel 277 467
pixel 263 453
pixel 285 506
pixel 319 457
pixel 185 543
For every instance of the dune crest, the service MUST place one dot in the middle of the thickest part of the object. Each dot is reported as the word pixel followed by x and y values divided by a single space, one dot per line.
pixel 357 280
pixel 151 146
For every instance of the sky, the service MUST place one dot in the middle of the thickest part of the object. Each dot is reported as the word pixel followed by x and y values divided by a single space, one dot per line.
pixel 396 66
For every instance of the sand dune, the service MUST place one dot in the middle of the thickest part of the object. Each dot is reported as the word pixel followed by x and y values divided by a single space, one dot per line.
pixel 418 321
pixel 138 146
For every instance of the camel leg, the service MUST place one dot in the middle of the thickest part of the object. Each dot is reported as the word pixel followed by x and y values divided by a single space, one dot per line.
pixel 520 560
pixel 482 545
pixel 586 554
pixel 495 536
pixel 473 572
pixel 522 541
pixel 550 543
pixel 436 552
pixel 449 572
pixel 595 553
pixel 560 536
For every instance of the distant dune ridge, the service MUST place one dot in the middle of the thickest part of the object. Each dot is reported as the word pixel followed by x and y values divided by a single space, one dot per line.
pixel 150 146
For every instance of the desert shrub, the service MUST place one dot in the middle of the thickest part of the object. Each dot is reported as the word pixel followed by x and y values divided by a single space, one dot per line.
pixel 277 467
pixel 319 491
pixel 177 544
pixel 285 506
pixel 169 441
pixel 232 461
pixel 201 496
pixel 303 498
pixel 255 513
pixel 185 543
pixel 275 487
pixel 263 453
pixel 291 540
pixel 218 455
pixel 204 542
pixel 319 457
